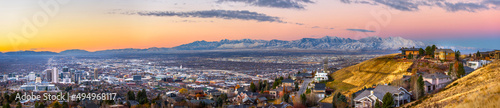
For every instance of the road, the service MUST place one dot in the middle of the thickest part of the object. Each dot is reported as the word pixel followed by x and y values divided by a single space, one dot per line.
pixel 303 86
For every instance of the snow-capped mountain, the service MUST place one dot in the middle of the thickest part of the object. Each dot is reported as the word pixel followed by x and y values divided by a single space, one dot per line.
pixel 325 43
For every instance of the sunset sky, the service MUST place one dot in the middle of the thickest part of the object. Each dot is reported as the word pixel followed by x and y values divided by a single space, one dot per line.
pixel 57 25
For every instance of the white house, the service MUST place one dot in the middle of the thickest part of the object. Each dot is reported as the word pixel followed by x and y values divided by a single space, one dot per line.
pixel 436 81
pixel 368 98
pixel 321 77
pixel 477 64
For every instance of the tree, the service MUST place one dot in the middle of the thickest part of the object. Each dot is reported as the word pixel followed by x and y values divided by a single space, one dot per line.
pixel 421 52
pixel 56 104
pixel 420 87
pixel 184 91
pixel 377 104
pixel 478 54
pixel 296 86
pixel 434 48
pixel 428 50
pixel 457 55
pixel 388 100
pixel 339 101
pixel 131 95
pixel 460 70
pixel 410 56
pixel 303 99
pixel 286 98
pixel 65 105
pixel 252 87
pixel 6 105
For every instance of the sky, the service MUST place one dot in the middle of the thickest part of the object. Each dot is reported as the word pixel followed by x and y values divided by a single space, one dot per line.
pixel 57 25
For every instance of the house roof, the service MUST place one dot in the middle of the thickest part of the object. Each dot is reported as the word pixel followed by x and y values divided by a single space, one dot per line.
pixel 380 91
pixel 427 83
pixel 444 50
pixel 319 86
pixel 435 75
pixel 409 49
pixel 287 81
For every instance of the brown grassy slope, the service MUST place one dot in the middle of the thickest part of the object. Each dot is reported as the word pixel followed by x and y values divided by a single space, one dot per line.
pixel 480 89
pixel 378 70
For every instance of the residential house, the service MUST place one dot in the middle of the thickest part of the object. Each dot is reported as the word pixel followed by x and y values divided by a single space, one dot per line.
pixel 477 64
pixel 321 77
pixel 444 54
pixel 301 76
pixel 436 80
pixel 319 90
pixel 367 98
pixel 407 51
pixel 288 82
pixel 279 91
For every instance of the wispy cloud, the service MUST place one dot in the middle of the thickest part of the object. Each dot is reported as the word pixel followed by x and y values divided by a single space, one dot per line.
pixel 414 5
pixel 291 4
pixel 360 30
pixel 223 14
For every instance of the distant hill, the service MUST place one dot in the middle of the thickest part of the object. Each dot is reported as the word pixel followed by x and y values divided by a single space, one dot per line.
pixel 325 43
pixel 74 52
pixel 31 53
pixel 481 88
pixel 378 70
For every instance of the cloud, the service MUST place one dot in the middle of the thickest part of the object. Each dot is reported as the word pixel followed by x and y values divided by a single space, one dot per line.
pixel 315 27
pixel 403 5
pixel 471 7
pixel 414 5
pixel 289 4
pixel 360 30
pixel 223 14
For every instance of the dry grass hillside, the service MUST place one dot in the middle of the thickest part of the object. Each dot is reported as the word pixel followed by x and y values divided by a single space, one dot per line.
pixel 480 89
pixel 378 70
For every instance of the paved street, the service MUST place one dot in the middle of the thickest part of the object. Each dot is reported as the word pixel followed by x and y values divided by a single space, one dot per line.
pixel 303 86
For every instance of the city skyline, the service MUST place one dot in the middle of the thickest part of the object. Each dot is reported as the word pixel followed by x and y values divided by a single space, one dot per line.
pixel 97 25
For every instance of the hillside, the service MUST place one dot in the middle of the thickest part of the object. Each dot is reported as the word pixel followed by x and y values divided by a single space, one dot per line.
pixel 378 70
pixel 480 88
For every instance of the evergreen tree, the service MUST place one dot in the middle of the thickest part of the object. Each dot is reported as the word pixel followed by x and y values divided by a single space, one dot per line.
pixel 296 86
pixel 130 95
pixel 420 84
pixel 428 50
pixel 252 87
pixel 478 54
pixel 377 104
pixel 457 55
pixel 460 70
pixel 387 101
pixel 286 98
pixel 410 56
pixel 421 52
pixel 65 105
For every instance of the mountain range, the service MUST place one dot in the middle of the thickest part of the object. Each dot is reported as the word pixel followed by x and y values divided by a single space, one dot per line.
pixel 324 43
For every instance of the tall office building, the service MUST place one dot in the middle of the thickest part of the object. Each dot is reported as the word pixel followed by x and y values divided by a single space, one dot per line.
pixel 96 74
pixel 55 76
pixel 48 75
pixel 31 76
